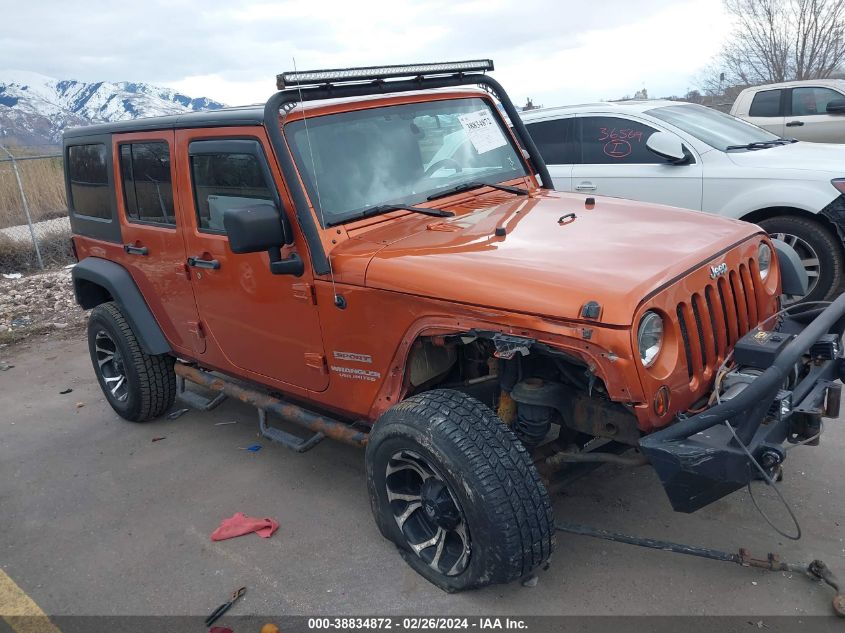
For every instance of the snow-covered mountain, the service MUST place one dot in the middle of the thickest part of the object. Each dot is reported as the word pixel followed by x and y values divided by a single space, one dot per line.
pixel 34 109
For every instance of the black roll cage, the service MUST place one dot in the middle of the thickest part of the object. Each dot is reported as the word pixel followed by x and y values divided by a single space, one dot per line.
pixel 285 99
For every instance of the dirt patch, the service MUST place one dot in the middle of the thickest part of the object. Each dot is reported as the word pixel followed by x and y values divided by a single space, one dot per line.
pixel 42 303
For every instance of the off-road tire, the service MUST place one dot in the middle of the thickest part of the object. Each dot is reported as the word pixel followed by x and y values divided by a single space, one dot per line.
pixel 150 379
pixel 827 246
pixel 490 474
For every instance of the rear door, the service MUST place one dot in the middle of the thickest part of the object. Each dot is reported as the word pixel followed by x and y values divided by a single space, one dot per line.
pixel 263 324
pixel 616 162
pixel 557 141
pixel 808 119
pixel 153 229
pixel 767 110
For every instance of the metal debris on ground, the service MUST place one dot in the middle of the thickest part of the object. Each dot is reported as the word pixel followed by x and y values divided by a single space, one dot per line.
pixel 225 423
pixel 219 611
pixel 531 581
pixel 5 366
pixel 65 391
pixel 158 439
pixel 176 414
pixel 816 570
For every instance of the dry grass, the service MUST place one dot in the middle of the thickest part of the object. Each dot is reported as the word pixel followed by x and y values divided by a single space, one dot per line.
pixel 43 185
pixel 19 255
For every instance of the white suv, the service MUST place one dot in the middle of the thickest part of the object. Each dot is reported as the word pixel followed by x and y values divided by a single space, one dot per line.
pixel 689 156
pixel 812 110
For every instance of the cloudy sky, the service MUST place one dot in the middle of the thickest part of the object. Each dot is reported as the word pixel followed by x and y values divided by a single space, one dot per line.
pixel 564 51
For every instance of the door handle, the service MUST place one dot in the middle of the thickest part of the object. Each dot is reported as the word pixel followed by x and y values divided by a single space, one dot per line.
pixel 198 262
pixel 795 124
pixel 132 249
pixel 586 186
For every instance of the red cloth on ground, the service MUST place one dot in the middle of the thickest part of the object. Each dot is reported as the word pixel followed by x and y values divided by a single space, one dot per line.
pixel 240 524
pixel 219 629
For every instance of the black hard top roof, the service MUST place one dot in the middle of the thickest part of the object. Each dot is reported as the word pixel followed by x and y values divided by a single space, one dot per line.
pixel 225 117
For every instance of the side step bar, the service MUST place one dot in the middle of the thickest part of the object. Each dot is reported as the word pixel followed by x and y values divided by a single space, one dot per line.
pixel 195 400
pixel 289 440
pixel 319 424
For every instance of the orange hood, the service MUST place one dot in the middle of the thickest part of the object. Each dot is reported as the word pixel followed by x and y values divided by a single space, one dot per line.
pixel 616 253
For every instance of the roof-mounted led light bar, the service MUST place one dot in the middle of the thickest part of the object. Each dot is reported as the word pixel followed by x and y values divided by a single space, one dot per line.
pixel 374 73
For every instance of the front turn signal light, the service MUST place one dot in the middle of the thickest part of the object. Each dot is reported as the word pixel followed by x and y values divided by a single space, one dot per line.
pixel 661 401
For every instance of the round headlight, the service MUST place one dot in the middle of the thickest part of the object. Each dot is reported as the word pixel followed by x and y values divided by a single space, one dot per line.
pixel 650 337
pixel 764 259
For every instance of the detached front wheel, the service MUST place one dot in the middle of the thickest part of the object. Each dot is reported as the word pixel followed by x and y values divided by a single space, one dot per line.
pixel 457 492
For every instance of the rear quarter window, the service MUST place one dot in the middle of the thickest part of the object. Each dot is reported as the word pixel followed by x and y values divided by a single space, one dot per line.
pixel 89 181
pixel 766 103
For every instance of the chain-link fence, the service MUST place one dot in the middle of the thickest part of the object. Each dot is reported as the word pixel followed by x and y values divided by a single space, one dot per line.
pixel 34 225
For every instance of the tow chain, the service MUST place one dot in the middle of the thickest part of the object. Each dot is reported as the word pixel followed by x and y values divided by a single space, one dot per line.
pixel 815 570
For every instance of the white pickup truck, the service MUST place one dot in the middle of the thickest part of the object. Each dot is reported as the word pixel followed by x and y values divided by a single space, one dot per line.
pixel 812 110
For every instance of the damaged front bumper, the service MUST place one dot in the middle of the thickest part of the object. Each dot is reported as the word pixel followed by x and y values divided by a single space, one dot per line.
pixel 697 458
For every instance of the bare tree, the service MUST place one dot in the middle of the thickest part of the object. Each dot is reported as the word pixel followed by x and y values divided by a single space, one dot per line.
pixel 781 40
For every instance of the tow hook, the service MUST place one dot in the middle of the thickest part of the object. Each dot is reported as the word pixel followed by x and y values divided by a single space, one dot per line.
pixel 815 570
pixel 771 460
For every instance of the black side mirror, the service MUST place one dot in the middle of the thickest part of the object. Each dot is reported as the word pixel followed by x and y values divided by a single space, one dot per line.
pixel 262 228
pixel 837 106
pixel 255 229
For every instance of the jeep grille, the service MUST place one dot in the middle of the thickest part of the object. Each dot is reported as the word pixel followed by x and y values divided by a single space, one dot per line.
pixel 715 318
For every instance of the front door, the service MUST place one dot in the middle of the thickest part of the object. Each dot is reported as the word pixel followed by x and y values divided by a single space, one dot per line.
pixel 809 119
pixel 262 324
pixel 616 162
pixel 153 226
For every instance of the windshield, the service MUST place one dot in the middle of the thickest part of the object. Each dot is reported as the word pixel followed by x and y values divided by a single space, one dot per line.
pixel 715 128
pixel 399 154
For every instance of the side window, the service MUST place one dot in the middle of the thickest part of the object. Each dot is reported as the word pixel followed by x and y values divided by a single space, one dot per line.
pixel 556 141
pixel 147 186
pixel 89 181
pixel 812 101
pixel 766 103
pixel 227 180
pixel 611 140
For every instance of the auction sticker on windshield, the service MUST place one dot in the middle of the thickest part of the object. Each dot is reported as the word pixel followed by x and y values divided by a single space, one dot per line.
pixel 482 130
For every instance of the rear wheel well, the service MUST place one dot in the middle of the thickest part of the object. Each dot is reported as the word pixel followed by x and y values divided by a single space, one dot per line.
pixel 90 294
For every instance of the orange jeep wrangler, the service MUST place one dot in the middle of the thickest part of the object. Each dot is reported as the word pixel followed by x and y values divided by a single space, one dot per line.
pixel 377 257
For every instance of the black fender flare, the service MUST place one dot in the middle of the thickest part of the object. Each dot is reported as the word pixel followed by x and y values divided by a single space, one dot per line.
pixel 92 276
pixel 793 275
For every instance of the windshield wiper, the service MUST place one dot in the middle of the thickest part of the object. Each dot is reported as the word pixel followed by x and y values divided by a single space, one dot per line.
pixel 763 144
pixel 467 186
pixel 385 208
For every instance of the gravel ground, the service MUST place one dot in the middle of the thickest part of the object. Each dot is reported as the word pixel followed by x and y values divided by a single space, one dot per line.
pixel 38 304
